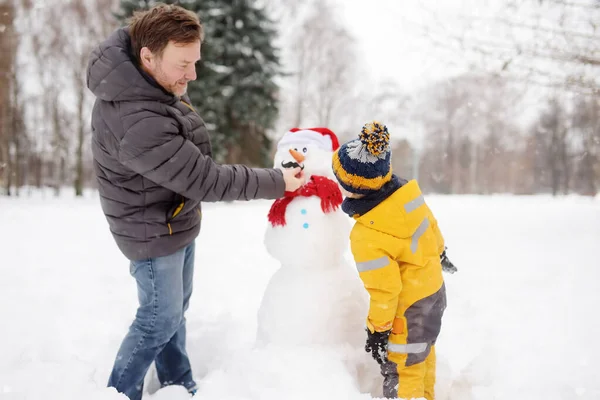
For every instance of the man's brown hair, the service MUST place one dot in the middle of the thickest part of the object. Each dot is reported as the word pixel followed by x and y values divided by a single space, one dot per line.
pixel 156 27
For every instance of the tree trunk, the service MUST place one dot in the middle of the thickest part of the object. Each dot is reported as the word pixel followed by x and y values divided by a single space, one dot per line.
pixel 79 178
pixel 553 161
pixel 4 162
pixel 9 174
pixel 57 149
pixel 300 87
pixel 587 174
pixel 564 161
pixel 38 170
pixel 474 168
pixel 7 59
pixel 16 132
pixel 450 161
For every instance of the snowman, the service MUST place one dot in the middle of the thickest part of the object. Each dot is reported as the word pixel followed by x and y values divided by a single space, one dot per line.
pixel 316 297
pixel 307 228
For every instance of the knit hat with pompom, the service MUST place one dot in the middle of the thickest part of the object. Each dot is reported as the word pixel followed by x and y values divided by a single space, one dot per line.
pixel 363 165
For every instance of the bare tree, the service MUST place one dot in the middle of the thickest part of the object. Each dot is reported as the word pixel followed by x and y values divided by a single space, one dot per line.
pixel 59 38
pixel 331 63
pixel 551 43
pixel 449 106
pixel 322 66
pixel 301 71
pixel 551 133
pixel 8 92
pixel 402 156
pixel 586 124
pixel 17 137
pixel 93 21
pixel 472 145
pixel 49 47
pixel 321 83
pixel 285 10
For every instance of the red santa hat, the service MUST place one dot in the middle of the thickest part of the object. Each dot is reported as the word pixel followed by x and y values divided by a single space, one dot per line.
pixel 320 137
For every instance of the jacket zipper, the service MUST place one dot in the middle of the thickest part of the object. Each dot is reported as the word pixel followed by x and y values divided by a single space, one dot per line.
pixel 188 105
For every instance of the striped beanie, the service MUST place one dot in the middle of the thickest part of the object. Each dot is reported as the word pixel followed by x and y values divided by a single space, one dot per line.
pixel 363 165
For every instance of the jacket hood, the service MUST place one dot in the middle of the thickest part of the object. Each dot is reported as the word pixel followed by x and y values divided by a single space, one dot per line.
pixel 112 74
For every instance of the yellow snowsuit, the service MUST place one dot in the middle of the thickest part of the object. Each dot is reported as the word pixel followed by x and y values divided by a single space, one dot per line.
pixel 397 247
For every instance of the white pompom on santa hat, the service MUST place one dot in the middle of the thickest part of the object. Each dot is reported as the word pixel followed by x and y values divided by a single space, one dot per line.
pixel 322 138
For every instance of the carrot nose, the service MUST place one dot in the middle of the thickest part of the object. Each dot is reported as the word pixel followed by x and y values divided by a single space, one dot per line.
pixel 297 156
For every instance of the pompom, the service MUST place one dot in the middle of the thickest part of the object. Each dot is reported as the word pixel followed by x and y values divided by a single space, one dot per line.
pixel 375 137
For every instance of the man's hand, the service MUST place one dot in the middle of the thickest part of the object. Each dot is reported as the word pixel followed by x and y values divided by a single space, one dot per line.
pixel 294 178
pixel 377 345
pixel 447 265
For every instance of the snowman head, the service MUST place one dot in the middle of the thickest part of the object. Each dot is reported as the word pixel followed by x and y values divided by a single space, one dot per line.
pixel 310 149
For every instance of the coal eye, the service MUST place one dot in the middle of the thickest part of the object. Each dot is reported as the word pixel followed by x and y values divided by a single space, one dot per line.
pixel 304 150
pixel 295 149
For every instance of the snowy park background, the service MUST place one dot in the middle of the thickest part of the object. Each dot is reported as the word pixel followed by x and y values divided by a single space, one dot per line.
pixel 493 104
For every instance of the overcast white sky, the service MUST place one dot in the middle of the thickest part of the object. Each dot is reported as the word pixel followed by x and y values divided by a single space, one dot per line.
pixel 389 34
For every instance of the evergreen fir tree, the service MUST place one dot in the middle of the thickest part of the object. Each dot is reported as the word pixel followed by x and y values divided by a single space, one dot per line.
pixel 235 92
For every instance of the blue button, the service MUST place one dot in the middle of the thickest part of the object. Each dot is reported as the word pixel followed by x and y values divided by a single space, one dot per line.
pixel 305 226
pixel 303 211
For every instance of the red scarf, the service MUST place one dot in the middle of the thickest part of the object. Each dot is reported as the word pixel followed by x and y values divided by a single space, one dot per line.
pixel 320 186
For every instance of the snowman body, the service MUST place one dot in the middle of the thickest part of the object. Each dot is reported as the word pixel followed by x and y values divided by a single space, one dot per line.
pixel 316 296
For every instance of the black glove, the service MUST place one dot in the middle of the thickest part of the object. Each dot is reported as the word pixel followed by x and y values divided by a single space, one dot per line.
pixel 447 265
pixel 377 345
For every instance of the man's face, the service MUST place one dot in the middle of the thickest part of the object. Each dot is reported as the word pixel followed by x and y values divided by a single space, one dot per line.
pixel 175 67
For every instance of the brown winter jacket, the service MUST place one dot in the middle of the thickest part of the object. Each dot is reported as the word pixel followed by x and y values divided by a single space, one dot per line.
pixel 152 158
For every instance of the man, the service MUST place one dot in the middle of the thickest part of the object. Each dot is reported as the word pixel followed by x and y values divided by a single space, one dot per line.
pixel 152 159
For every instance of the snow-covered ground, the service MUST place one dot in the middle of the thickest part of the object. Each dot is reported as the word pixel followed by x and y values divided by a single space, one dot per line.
pixel 522 321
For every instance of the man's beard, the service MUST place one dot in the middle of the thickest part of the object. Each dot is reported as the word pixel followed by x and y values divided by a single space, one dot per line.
pixel 171 88
pixel 181 92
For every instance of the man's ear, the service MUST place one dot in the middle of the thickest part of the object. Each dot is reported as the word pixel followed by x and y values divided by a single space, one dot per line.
pixel 146 57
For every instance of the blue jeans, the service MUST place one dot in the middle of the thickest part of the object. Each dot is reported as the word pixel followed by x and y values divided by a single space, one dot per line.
pixel 158 332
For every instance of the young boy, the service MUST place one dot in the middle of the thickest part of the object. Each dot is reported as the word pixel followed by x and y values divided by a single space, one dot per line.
pixel 399 251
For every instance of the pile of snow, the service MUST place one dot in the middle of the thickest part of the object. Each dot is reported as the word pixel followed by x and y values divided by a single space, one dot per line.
pixel 521 321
